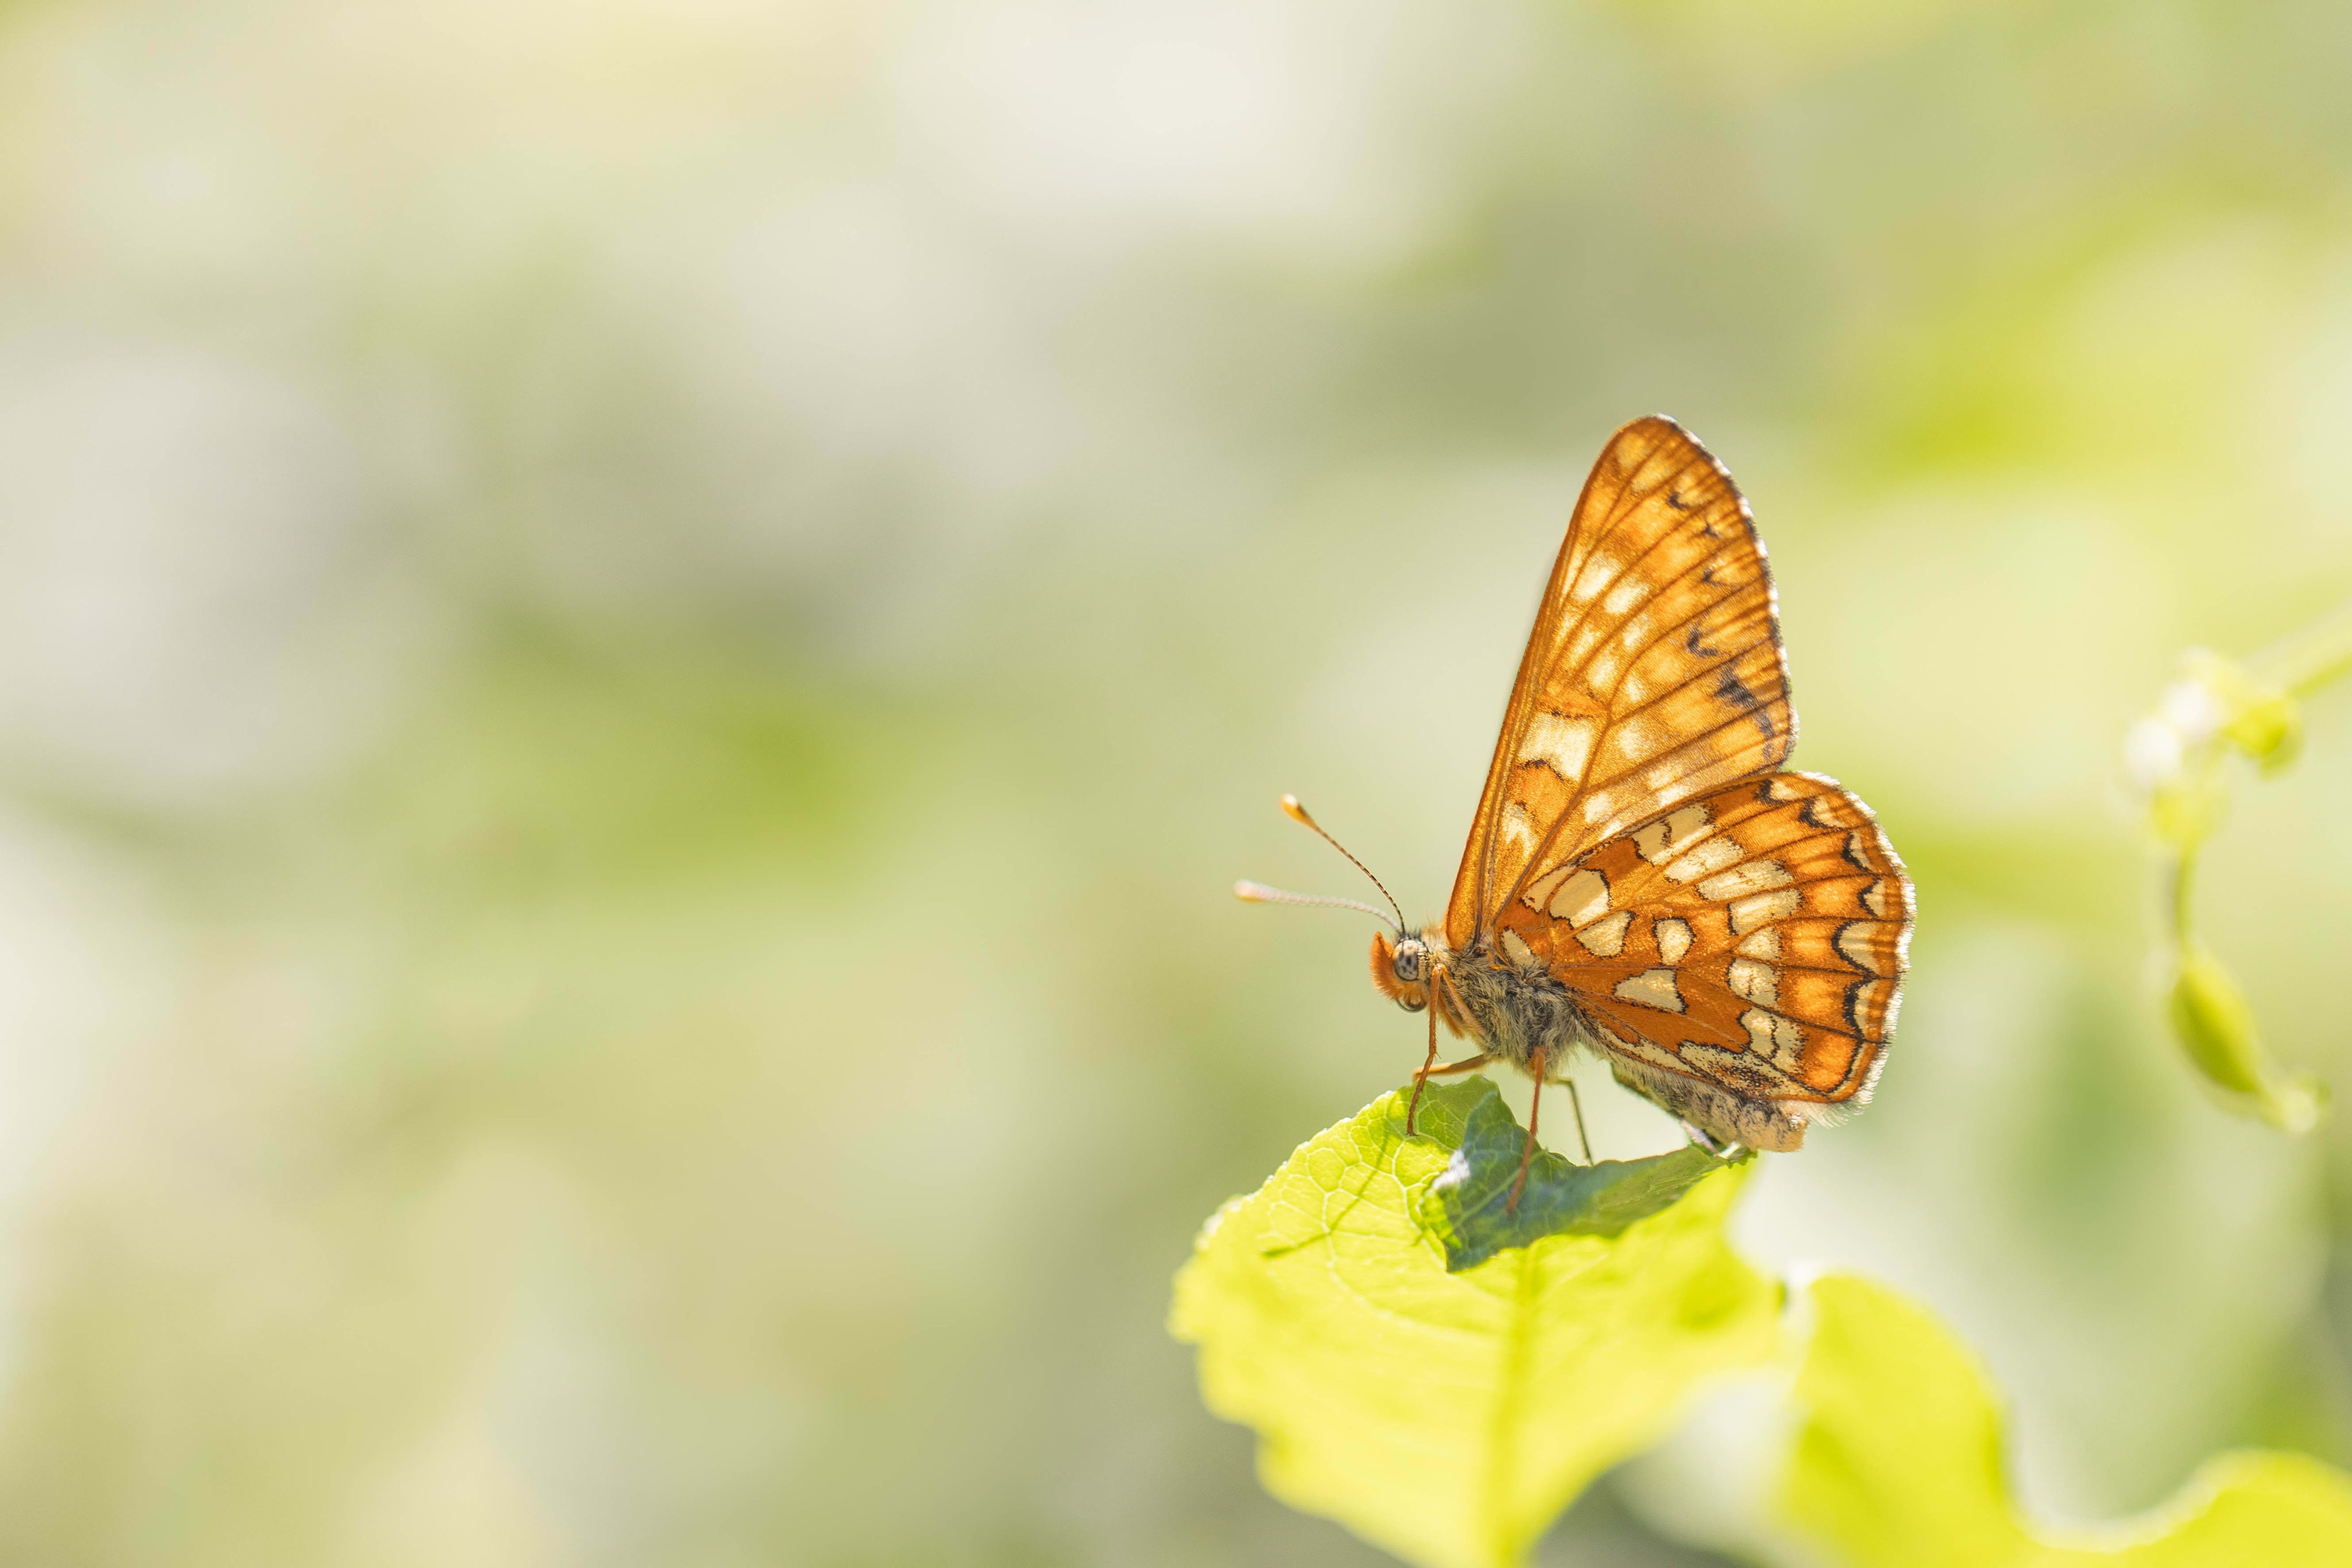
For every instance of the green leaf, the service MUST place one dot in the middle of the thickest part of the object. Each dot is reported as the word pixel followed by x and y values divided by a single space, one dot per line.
pixel 1899 1465
pixel 1450 1416
pixel 2216 1026
pixel 1467 1206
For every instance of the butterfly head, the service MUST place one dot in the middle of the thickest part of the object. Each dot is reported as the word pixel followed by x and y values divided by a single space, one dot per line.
pixel 1401 966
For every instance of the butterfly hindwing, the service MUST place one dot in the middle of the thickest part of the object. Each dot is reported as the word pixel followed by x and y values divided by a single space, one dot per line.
pixel 1751 942
pixel 1655 673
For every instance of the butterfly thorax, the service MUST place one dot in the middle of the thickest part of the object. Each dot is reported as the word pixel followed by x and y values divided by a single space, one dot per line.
pixel 1516 1010
pixel 1513 1010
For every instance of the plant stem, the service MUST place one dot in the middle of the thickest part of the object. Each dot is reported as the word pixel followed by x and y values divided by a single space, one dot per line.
pixel 2176 876
pixel 2310 658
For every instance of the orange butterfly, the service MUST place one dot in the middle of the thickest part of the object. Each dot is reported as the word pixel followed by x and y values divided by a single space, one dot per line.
pixel 1641 880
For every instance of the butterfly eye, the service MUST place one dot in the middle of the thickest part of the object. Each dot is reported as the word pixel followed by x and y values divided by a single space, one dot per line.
pixel 1411 963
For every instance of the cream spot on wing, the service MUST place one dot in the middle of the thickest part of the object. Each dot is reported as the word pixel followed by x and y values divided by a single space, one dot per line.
pixel 1584 896
pixel 1635 635
pixel 1673 938
pixel 1661 838
pixel 1602 805
pixel 1754 982
pixel 1703 858
pixel 1774 1036
pixel 1783 788
pixel 1788 1040
pixel 1539 890
pixel 1629 590
pixel 1598 573
pixel 1519 829
pixel 1854 939
pixel 1764 944
pixel 1830 811
pixel 1644 1050
pixel 1756 876
pixel 1601 670
pixel 1763 909
pixel 1639 739
pixel 1606 938
pixel 1561 744
pixel 1517 946
pixel 1651 989
pixel 1873 898
pixel 1869 1007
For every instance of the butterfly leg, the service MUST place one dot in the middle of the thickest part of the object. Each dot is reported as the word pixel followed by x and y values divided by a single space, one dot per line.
pixel 1448 1068
pixel 1576 1103
pixel 1527 1150
pixel 1422 1077
pixel 1707 1140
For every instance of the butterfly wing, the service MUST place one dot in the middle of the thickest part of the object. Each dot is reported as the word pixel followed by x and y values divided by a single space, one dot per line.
pixel 1741 956
pixel 1655 673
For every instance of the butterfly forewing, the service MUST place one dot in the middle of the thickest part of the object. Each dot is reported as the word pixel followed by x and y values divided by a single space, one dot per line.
pixel 1754 939
pixel 1655 673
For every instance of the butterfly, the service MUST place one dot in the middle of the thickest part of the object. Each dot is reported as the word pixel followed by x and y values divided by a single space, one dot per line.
pixel 1643 880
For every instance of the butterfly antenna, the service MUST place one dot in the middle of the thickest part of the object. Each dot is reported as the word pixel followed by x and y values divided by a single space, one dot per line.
pixel 1259 893
pixel 1297 813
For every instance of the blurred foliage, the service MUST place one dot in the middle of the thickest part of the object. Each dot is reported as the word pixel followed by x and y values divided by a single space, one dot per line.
pixel 1900 1463
pixel 1446 1416
pixel 637 643
pixel 2181 757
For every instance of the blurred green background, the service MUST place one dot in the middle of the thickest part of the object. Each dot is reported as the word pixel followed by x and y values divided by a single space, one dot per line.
pixel 638 643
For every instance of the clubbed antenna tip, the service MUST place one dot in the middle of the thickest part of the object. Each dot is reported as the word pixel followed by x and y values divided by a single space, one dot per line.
pixel 1297 813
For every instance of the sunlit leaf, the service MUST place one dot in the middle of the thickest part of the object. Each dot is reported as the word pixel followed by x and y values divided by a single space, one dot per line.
pixel 1899 1465
pixel 1450 1416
